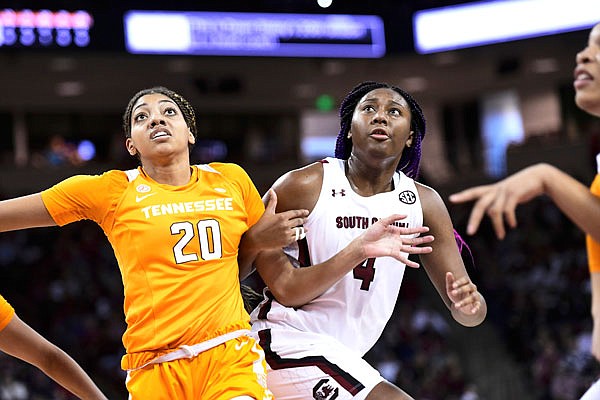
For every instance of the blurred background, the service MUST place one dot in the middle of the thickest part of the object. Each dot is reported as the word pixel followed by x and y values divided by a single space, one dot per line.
pixel 266 78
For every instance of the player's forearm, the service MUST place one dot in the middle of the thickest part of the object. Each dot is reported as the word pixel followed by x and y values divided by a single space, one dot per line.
pixel 294 287
pixel 595 284
pixel 246 255
pixel 63 369
pixel 573 198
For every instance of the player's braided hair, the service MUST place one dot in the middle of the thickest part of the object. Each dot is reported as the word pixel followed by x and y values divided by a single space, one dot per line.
pixel 186 108
pixel 411 156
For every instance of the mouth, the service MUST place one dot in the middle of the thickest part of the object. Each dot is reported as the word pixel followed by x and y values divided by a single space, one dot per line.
pixel 582 75
pixel 379 133
pixel 159 134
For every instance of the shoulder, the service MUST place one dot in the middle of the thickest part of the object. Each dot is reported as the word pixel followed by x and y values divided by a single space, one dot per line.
pixel 304 177
pixel 427 193
pixel 223 168
pixel 432 203
pixel 299 188
pixel 229 171
pixel 96 182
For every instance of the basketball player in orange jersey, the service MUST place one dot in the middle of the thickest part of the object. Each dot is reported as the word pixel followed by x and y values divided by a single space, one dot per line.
pixel 582 205
pixel 176 230
pixel 19 340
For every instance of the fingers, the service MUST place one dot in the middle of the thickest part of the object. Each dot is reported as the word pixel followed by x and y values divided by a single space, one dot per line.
pixel 493 201
pixel 485 197
pixel 468 194
pixel 413 245
pixel 449 281
pixel 272 203
pixel 510 212
pixel 463 294
pixel 408 262
pixel 296 217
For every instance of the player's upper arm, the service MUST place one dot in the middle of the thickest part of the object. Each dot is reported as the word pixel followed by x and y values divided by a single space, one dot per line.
pixel 300 188
pixel 24 212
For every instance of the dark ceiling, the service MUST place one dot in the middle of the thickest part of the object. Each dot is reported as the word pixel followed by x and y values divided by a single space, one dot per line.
pixel 103 77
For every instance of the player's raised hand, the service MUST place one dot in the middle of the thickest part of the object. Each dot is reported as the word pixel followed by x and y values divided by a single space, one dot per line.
pixel 384 238
pixel 500 200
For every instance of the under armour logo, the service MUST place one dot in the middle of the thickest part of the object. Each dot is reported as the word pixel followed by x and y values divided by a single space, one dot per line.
pixel 407 197
pixel 341 192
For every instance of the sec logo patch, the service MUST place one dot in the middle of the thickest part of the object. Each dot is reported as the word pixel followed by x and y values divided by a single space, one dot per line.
pixel 407 197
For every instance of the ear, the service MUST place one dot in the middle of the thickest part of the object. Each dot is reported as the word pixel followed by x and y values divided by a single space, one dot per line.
pixel 192 138
pixel 409 141
pixel 130 147
pixel 349 135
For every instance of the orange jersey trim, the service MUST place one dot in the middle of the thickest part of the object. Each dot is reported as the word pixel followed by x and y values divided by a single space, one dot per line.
pixel 593 247
pixel 7 312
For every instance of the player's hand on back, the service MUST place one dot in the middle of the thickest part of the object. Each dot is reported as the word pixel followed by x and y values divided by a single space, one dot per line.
pixel 277 230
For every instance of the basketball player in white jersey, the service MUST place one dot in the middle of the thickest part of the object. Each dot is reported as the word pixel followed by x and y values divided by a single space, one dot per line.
pixel 314 347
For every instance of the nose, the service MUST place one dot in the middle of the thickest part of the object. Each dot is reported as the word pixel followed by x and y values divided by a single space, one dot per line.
pixel 583 56
pixel 156 120
pixel 380 117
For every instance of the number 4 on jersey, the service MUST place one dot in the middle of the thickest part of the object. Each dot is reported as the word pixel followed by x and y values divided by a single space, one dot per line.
pixel 365 272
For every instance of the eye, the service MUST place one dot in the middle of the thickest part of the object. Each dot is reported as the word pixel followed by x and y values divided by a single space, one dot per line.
pixel 170 111
pixel 140 117
pixel 368 107
pixel 395 112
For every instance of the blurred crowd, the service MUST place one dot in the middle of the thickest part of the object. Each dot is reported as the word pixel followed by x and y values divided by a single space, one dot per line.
pixel 536 282
pixel 66 284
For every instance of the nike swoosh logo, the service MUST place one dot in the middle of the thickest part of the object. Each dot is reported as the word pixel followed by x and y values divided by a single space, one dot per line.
pixel 140 198
pixel 238 346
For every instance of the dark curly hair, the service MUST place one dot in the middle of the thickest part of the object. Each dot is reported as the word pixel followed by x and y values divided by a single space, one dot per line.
pixel 411 156
pixel 186 108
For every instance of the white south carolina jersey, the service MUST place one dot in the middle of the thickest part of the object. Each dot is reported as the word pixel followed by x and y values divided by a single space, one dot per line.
pixel 356 309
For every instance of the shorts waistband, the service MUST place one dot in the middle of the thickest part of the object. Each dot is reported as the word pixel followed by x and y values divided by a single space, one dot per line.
pixel 192 351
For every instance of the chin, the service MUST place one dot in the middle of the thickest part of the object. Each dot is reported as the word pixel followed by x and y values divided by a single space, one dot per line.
pixel 589 104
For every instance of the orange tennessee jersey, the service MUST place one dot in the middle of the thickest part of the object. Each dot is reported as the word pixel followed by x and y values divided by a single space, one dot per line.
pixel 6 312
pixel 176 247
pixel 593 247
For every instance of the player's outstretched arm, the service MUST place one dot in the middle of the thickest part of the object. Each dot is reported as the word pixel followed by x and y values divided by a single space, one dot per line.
pixel 20 340
pixel 24 212
pixel 500 200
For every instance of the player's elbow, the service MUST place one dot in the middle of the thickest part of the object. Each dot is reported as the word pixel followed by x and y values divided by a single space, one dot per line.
pixel 287 295
pixel 51 360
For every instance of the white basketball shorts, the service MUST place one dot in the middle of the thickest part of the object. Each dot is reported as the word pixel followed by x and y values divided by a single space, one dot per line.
pixel 306 365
